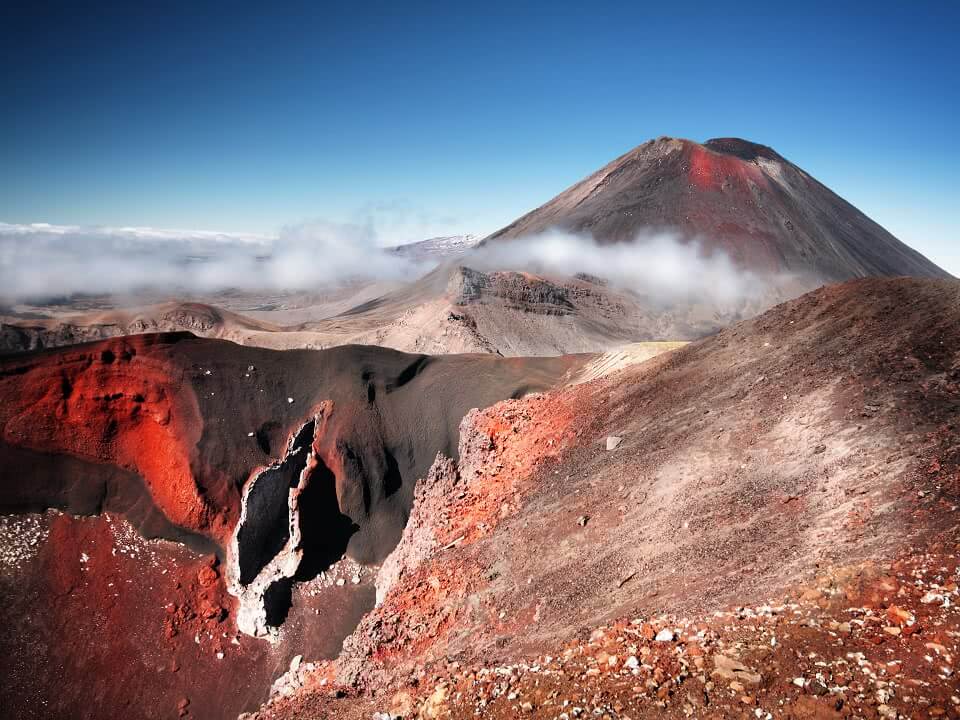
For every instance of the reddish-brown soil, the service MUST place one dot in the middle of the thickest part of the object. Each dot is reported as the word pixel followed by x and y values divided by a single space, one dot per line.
pixel 805 464
pixel 865 641
pixel 783 502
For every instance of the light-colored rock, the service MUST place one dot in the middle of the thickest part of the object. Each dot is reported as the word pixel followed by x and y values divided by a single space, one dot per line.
pixel 726 668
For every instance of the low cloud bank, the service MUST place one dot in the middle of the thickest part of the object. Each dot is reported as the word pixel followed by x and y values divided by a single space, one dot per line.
pixel 41 261
pixel 661 266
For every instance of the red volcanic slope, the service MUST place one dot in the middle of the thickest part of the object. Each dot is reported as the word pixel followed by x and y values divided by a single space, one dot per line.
pixel 118 403
pixel 734 195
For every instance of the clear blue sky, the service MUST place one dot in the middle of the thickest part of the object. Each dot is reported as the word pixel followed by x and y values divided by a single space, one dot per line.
pixel 220 116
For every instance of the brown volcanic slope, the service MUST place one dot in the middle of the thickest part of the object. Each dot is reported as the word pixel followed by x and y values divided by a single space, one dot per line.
pixel 20 334
pixel 454 309
pixel 804 464
pixel 737 196
pixel 460 309
pixel 168 434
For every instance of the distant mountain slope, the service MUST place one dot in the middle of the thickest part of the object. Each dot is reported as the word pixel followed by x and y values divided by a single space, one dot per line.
pixel 791 232
pixel 737 196
pixel 201 319
pixel 438 248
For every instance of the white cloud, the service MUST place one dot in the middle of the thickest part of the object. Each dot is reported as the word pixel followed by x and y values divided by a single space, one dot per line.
pixel 661 266
pixel 42 261
pixel 132 233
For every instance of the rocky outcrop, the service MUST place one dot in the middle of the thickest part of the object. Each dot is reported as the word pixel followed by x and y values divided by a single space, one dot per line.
pixel 418 542
pixel 515 290
pixel 741 466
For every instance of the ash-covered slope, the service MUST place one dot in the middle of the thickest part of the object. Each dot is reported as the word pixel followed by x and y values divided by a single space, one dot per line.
pixel 803 465
pixel 734 195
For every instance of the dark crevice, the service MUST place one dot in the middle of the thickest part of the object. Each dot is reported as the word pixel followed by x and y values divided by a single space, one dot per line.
pixel 353 468
pixel 264 434
pixel 277 601
pixel 324 530
pixel 409 373
pixel 392 480
pixel 266 527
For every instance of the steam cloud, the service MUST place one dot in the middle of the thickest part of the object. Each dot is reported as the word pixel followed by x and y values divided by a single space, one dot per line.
pixel 661 266
pixel 47 261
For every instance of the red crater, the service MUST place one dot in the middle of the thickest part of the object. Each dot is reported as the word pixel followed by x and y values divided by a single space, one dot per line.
pixel 114 403
pixel 157 436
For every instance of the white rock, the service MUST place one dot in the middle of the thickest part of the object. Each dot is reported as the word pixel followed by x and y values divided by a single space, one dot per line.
pixel 613 441
pixel 664 636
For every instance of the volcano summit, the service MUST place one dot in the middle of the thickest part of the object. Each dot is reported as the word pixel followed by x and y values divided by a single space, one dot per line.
pixel 737 196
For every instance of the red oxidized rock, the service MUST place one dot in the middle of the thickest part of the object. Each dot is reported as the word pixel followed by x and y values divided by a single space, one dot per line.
pixel 207 576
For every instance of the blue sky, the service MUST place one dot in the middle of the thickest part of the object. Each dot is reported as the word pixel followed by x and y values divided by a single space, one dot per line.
pixel 432 118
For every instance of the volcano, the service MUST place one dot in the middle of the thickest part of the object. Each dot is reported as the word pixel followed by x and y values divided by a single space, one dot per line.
pixel 733 195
